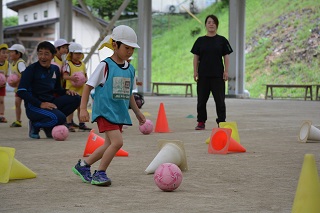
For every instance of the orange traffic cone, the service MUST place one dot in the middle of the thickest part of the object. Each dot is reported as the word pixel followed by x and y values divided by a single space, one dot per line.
pixel 94 141
pixel 162 123
pixel 122 153
pixel 222 143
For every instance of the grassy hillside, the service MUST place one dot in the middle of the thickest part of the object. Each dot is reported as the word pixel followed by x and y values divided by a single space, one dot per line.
pixel 282 44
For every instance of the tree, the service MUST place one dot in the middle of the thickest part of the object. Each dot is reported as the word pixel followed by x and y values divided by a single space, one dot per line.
pixel 107 8
pixel 10 21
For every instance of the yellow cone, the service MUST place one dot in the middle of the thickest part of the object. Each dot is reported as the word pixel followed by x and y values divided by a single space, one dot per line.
pixel 208 140
pixel 20 171
pixel 234 127
pixel 307 198
pixel 6 158
pixel 11 168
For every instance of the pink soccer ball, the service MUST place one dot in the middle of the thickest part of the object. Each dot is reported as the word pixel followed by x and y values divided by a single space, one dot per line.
pixel 60 133
pixel 81 79
pixel 13 80
pixel 146 128
pixel 168 177
pixel 3 79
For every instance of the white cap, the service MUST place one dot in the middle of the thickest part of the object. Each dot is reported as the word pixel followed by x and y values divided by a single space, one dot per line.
pixel 126 35
pixel 75 48
pixel 18 47
pixel 60 42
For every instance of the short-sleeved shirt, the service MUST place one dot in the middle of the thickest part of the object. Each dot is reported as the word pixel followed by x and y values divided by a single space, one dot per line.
pixel 113 88
pixel 210 51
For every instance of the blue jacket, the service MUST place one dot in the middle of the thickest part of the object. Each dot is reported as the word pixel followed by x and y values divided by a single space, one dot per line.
pixel 39 84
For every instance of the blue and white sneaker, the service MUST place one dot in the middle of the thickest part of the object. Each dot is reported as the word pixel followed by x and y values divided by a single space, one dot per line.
pixel 100 178
pixel 33 131
pixel 83 171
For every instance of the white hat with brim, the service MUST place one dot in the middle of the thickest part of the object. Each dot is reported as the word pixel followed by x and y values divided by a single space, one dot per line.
pixel 18 47
pixel 60 42
pixel 126 35
pixel 74 48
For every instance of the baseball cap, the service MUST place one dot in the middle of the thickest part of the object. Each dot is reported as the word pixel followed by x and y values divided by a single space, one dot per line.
pixel 60 42
pixel 126 35
pixel 3 46
pixel 18 47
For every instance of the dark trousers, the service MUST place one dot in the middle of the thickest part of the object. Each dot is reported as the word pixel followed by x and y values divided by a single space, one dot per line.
pixel 45 118
pixel 217 87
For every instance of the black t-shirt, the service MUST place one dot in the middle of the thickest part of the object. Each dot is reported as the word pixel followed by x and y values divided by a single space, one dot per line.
pixel 210 51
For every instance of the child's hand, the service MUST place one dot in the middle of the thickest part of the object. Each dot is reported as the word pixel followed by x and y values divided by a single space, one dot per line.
pixel 141 118
pixel 84 115
pixel 75 78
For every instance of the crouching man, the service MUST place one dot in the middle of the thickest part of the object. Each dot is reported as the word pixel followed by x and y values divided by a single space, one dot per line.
pixel 47 103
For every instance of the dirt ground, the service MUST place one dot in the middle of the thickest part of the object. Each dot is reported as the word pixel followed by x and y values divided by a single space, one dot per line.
pixel 262 180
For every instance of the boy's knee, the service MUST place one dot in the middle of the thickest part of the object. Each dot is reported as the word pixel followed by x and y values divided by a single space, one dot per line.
pixel 118 144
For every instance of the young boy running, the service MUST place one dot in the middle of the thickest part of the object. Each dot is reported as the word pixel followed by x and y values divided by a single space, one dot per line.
pixel 113 81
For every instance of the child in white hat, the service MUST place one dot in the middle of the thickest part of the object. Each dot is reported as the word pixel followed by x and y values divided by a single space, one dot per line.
pixel 74 64
pixel 61 46
pixel 17 66
pixel 112 80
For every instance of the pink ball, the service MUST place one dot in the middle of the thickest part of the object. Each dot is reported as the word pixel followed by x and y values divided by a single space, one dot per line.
pixel 147 127
pixel 168 177
pixel 3 79
pixel 82 79
pixel 60 132
pixel 13 80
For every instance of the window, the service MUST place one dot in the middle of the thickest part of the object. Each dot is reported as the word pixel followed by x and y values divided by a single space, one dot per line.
pixel 45 14
pixel 25 18
pixel 35 16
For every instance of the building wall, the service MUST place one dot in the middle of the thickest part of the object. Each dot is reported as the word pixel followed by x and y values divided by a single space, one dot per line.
pixel 86 34
pixel 40 12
